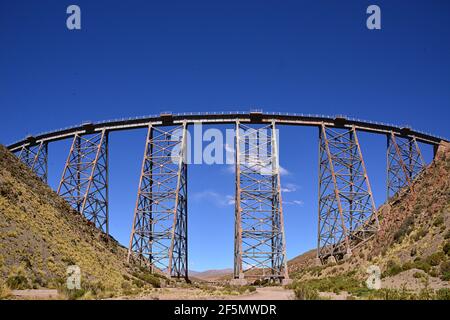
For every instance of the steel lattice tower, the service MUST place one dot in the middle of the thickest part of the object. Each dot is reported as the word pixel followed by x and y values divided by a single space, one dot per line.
pixel 259 228
pixel 404 163
pixel 36 158
pixel 347 212
pixel 84 183
pixel 159 234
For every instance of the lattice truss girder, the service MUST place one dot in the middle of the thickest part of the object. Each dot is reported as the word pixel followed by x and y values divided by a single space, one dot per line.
pixel 159 235
pixel 36 158
pixel 347 212
pixel 259 230
pixel 404 163
pixel 84 183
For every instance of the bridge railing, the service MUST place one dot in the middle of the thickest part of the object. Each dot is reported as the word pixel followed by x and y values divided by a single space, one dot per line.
pixel 214 113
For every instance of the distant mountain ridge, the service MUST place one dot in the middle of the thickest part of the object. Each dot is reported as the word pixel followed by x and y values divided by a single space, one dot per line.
pixel 211 275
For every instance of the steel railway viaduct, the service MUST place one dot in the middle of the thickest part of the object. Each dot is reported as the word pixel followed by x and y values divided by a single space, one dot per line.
pixel 347 214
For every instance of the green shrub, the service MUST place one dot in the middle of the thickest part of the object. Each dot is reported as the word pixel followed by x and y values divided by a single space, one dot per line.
pixel 394 294
pixel 422 265
pixel 138 283
pixel 446 248
pixel 438 221
pixel 87 289
pixel 18 281
pixel 146 277
pixel 422 232
pixel 445 270
pixel 443 294
pixel 39 281
pixel 436 258
pixel 434 273
pixel 74 294
pixel 392 268
pixel 447 235
pixel 408 265
pixel 425 294
pixel 316 270
pixel 336 284
pixel 390 294
pixel 305 292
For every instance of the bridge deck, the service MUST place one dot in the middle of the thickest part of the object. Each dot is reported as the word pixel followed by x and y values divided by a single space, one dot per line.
pixel 227 118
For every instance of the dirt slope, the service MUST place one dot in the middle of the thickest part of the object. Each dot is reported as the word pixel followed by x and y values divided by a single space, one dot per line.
pixel 40 235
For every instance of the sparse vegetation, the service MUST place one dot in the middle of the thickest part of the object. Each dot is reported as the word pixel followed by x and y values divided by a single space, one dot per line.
pixel 229 289
pixel 445 270
pixel 17 279
pixel 447 235
pixel 402 294
pixel 446 248
pixel 405 229
pixel 392 268
pixel 40 249
pixel 443 294
pixel 145 277
pixel 411 236
pixel 422 232
pixel 345 282
pixel 305 292
pixel 4 291
pixel 438 221
pixel 436 258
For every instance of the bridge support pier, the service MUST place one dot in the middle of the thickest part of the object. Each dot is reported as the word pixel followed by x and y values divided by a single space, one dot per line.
pixel 159 233
pixel 84 182
pixel 260 251
pixel 404 163
pixel 347 212
pixel 36 157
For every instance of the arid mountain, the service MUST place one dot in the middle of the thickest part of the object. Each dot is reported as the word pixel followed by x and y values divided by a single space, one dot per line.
pixel 40 236
pixel 412 247
pixel 211 275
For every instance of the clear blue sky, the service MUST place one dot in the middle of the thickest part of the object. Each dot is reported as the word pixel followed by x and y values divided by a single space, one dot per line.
pixel 134 58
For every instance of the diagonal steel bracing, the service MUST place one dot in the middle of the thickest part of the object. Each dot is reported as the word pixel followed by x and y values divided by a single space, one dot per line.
pixel 84 183
pixel 159 234
pixel 404 163
pixel 347 212
pixel 36 157
pixel 259 228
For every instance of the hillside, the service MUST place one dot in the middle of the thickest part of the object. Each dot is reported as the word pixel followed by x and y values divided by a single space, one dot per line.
pixel 40 236
pixel 412 247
